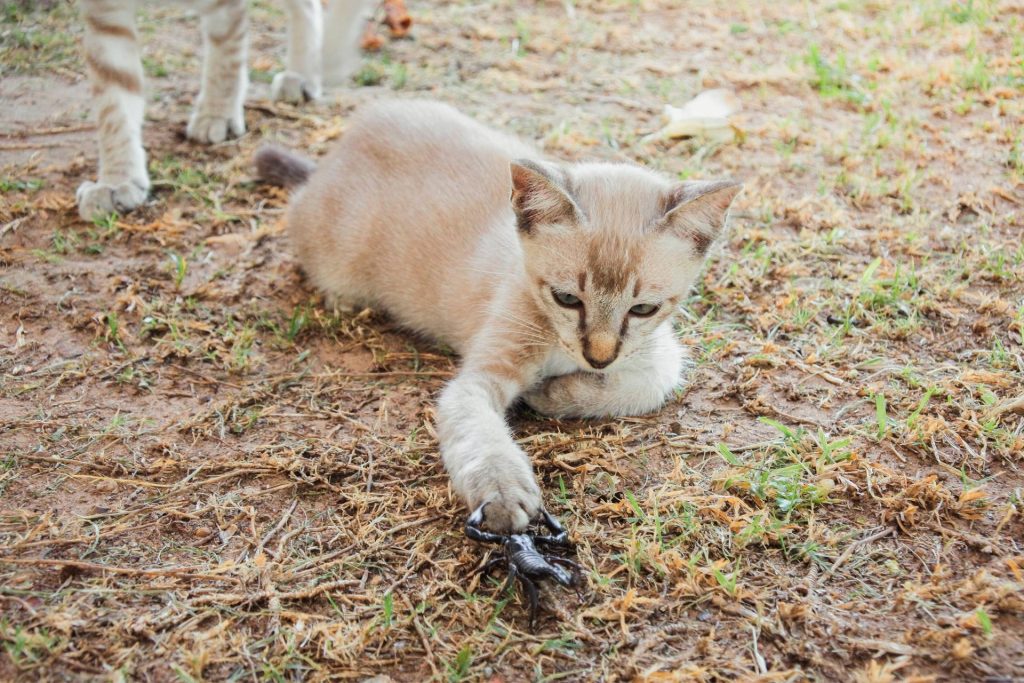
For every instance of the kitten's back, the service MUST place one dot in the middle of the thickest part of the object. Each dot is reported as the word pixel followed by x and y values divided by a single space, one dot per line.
pixel 397 211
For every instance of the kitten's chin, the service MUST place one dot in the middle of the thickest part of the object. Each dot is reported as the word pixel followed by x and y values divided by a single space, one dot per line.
pixel 585 366
pixel 572 360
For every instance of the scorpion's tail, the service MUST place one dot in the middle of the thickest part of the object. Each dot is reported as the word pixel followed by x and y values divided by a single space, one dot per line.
pixel 278 166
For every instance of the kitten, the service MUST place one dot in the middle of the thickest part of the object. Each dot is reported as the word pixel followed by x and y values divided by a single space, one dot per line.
pixel 556 283
pixel 115 67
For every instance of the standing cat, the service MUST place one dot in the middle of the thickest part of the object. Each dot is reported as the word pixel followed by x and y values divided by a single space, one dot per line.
pixel 556 283
pixel 115 67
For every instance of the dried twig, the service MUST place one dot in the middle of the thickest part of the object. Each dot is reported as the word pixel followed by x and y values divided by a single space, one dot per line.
pixel 850 549
pixel 180 572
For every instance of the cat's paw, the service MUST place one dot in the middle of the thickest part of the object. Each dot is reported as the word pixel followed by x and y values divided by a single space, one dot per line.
pixel 509 488
pixel 96 200
pixel 340 75
pixel 562 396
pixel 543 401
pixel 212 128
pixel 289 86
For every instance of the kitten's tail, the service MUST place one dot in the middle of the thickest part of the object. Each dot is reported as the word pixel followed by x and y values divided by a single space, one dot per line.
pixel 278 166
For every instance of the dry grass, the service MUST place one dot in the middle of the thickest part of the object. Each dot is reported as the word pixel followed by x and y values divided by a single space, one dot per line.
pixel 205 475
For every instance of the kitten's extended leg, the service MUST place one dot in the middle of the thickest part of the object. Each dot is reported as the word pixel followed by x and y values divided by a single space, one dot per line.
pixel 115 68
pixel 301 79
pixel 482 459
pixel 641 386
pixel 343 28
pixel 218 113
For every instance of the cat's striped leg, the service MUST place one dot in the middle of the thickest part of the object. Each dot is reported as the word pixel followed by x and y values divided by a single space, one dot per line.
pixel 343 28
pixel 641 385
pixel 301 79
pixel 115 68
pixel 218 113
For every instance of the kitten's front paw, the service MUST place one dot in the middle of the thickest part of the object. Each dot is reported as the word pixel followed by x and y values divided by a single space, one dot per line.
pixel 210 128
pixel 289 86
pixel 542 401
pixel 96 200
pixel 508 486
pixel 559 396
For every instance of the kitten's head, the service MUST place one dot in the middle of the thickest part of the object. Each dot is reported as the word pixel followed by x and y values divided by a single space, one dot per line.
pixel 611 249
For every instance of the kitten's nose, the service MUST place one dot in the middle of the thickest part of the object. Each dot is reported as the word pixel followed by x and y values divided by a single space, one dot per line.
pixel 600 351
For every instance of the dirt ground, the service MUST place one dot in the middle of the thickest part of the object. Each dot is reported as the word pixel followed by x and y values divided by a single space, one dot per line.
pixel 206 475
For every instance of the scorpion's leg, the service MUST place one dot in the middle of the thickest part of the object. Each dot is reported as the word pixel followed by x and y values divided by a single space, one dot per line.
pixel 577 573
pixel 490 564
pixel 564 562
pixel 560 537
pixel 513 572
pixel 531 596
pixel 474 531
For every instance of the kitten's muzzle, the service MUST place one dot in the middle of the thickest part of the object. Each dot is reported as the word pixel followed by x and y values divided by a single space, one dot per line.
pixel 601 351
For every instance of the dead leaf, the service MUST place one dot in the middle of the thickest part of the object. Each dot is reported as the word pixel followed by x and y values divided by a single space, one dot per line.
pixel 706 116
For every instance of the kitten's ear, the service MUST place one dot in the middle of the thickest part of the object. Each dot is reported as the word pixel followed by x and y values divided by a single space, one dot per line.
pixel 539 196
pixel 696 210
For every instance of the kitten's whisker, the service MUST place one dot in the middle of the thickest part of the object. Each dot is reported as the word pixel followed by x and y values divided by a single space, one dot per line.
pixel 530 333
pixel 510 316
pixel 498 273
pixel 524 325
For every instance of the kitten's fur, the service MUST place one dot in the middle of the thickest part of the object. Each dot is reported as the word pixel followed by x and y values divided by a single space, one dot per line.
pixel 464 234
pixel 115 67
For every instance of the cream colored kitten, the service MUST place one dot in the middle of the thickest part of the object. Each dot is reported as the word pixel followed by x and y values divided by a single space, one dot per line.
pixel 557 283
pixel 115 67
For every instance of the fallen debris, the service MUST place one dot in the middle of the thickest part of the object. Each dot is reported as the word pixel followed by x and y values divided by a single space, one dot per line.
pixel 705 116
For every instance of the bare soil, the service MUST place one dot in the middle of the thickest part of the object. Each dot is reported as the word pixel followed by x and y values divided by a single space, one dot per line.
pixel 206 475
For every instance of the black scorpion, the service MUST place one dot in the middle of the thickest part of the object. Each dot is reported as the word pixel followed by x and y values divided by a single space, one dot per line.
pixel 525 562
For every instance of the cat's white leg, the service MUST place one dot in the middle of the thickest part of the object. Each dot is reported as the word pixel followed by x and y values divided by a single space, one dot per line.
pixel 218 113
pixel 642 385
pixel 301 79
pixel 343 28
pixel 115 68
pixel 482 459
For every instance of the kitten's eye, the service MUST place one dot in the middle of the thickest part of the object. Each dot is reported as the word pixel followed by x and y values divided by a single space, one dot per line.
pixel 566 299
pixel 644 310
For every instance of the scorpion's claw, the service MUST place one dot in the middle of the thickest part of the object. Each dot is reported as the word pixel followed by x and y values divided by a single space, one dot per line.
pixel 474 531
pixel 560 535
pixel 551 522
pixel 477 518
